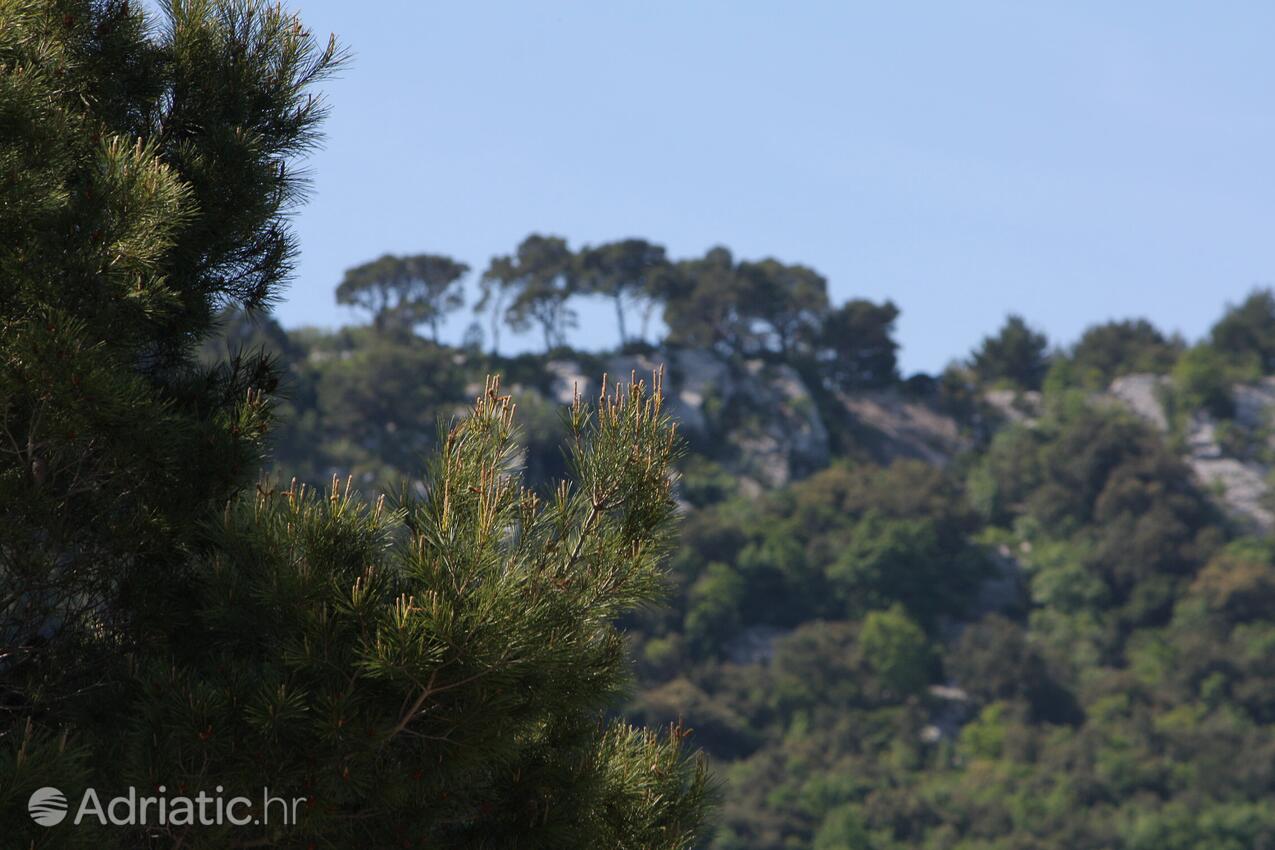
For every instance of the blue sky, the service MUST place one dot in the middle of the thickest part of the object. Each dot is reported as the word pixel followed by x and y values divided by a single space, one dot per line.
pixel 1072 162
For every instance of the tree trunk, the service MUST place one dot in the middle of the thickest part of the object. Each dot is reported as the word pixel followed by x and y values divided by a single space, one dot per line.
pixel 619 318
pixel 646 318
pixel 496 306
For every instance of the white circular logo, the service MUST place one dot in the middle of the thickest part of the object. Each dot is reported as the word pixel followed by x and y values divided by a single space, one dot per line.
pixel 47 806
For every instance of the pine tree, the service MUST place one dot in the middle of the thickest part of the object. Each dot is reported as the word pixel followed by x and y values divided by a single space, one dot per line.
pixel 144 183
pixel 532 286
pixel 432 675
pixel 629 272
pixel 436 674
pixel 1017 355
pixel 403 292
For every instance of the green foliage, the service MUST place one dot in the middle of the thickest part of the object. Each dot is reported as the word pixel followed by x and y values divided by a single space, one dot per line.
pixel 738 308
pixel 886 560
pixel 445 686
pixel 1177 826
pixel 706 309
pixel 842 830
pixel 705 482
pixel 1114 663
pixel 148 176
pixel 839 544
pixel 713 603
pixel 377 415
pixel 996 663
pixel 1017 355
pixel 1202 381
pixel 816 665
pixel 1246 334
pixel 1056 641
pixel 1103 638
pixel 1107 351
pixel 1107 479
pixel 403 292
pixel 436 674
pixel 532 286
pixel 858 345
pixel 630 271
pixel 791 300
pixel 745 308
pixel 1238 583
pixel 897 649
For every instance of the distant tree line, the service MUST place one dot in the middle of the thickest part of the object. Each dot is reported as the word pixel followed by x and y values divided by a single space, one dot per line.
pixel 1239 347
pixel 717 301
pixel 752 308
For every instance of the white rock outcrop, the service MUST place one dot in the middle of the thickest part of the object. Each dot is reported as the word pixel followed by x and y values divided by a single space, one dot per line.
pixel 1239 483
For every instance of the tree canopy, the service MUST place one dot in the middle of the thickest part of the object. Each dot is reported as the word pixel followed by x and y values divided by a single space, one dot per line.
pixel 533 286
pixel 955 623
pixel 434 673
pixel 857 344
pixel 1248 330
pixel 1017 355
pixel 893 652
pixel 149 179
pixel 403 292
pixel 1106 351
pixel 630 272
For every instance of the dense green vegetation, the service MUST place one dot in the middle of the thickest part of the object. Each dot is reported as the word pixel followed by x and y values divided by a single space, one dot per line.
pixel 1059 639
pixel 436 671
pixel 1048 632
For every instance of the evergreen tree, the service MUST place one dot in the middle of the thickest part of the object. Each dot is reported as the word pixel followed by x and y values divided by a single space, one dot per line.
pixel 1106 351
pixel 631 270
pixel 403 292
pixel 790 300
pixel 532 287
pixel 436 674
pixel 1247 331
pixel 709 309
pixel 1017 355
pixel 377 406
pixel 857 344
pixel 744 307
pixel 145 184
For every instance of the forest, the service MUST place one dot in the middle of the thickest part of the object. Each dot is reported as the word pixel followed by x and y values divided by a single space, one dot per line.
pixel 1040 621
pixel 733 582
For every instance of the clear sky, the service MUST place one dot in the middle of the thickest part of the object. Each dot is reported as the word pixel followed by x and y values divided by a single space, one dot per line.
pixel 1072 162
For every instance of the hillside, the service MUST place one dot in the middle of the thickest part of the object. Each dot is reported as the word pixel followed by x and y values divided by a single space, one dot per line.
pixel 956 611
pixel 418 586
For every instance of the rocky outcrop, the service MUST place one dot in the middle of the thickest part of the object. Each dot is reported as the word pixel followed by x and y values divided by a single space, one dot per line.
pixel 1144 395
pixel 1013 405
pixel 1238 482
pixel 1254 404
pixel 760 420
pixel 899 426
pixel 772 422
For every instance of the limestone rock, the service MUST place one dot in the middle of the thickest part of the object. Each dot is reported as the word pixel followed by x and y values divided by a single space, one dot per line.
pixel 904 427
pixel 1143 395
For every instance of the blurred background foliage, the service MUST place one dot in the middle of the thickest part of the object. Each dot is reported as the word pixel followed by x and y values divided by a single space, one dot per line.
pixel 1059 636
